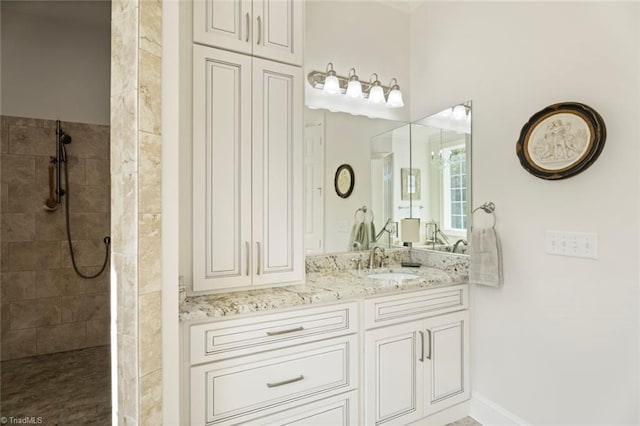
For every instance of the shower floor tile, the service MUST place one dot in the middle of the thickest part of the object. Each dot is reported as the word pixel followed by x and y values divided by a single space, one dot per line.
pixel 66 388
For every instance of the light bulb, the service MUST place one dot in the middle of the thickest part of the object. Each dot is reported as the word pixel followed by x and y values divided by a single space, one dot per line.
pixel 458 112
pixel 395 99
pixel 331 85
pixel 331 82
pixel 376 95
pixel 354 87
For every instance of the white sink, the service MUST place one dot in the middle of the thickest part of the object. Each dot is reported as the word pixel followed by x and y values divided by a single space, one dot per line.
pixel 392 276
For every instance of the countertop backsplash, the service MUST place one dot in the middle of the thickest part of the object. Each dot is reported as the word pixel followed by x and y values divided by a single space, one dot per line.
pixel 344 261
pixel 456 263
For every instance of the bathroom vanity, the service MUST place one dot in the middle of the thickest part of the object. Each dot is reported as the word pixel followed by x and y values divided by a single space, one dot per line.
pixel 343 349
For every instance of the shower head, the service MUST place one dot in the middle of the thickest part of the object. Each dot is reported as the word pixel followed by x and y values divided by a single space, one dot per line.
pixel 64 138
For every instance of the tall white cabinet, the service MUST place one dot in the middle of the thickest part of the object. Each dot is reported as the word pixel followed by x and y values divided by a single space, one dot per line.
pixel 247 155
pixel 270 29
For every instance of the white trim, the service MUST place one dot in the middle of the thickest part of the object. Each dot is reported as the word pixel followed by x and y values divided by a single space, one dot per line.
pixel 489 413
pixel 170 213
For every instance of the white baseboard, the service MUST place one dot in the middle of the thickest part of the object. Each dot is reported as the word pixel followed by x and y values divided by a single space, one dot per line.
pixel 489 413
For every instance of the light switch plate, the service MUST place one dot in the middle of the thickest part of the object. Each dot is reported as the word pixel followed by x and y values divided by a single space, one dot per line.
pixel 574 244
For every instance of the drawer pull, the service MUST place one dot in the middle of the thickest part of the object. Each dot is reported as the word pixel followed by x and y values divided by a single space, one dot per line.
pixel 285 382
pixel 290 330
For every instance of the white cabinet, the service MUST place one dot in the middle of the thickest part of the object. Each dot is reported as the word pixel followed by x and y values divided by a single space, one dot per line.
pixel 271 29
pixel 415 369
pixel 394 379
pixel 247 172
pixel 295 367
pixel 227 391
pixel 446 361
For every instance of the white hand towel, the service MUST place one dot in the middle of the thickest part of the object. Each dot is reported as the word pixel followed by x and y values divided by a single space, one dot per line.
pixel 486 258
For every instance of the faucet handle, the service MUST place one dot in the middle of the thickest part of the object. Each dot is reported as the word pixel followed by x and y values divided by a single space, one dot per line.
pixel 358 263
pixel 384 261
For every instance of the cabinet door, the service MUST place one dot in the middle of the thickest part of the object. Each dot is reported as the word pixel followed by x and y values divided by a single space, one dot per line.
pixel 278 30
pixel 277 173
pixel 394 374
pixel 223 23
pixel 446 361
pixel 221 169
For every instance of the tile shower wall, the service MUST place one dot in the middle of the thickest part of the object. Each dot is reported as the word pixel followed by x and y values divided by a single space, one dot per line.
pixel 45 306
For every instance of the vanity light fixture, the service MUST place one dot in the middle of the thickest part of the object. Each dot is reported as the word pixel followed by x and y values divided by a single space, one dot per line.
pixel 372 91
pixel 394 100
pixel 331 82
pixel 354 87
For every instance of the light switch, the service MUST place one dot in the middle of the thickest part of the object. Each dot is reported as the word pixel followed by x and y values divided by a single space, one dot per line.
pixel 575 244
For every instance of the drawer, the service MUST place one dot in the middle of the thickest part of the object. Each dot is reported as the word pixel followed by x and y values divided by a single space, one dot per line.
pixel 381 311
pixel 243 336
pixel 340 410
pixel 258 385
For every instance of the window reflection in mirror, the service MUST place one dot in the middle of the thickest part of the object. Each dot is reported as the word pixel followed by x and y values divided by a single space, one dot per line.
pixel 441 152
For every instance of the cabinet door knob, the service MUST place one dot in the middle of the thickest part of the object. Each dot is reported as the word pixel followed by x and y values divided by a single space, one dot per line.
pixel 259 29
pixel 248 26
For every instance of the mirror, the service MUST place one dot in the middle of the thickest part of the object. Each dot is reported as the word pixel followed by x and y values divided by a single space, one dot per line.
pixel 332 139
pixel 398 170
pixel 441 162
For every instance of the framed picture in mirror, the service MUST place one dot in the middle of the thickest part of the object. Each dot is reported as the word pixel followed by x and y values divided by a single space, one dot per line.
pixel 344 181
pixel 410 184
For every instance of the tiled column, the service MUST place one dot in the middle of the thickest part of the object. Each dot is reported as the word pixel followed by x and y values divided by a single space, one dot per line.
pixel 136 145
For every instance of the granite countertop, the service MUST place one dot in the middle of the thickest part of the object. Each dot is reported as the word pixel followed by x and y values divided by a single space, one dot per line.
pixel 320 287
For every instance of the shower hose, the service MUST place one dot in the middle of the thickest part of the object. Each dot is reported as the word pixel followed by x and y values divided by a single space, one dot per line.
pixel 107 239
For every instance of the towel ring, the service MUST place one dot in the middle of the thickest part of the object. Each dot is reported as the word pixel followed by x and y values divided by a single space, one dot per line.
pixel 364 211
pixel 489 207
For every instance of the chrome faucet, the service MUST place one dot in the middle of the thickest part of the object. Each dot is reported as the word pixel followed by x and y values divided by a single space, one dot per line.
pixel 372 257
pixel 455 246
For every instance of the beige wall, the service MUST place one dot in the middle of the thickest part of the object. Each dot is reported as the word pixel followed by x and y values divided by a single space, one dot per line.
pixel 46 307
pixel 55 59
pixel 558 344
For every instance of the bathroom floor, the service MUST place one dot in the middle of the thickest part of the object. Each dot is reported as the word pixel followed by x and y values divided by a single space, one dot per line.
pixel 467 421
pixel 66 388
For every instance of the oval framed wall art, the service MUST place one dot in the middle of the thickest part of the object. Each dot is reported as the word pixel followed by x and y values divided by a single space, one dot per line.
pixel 344 181
pixel 561 141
